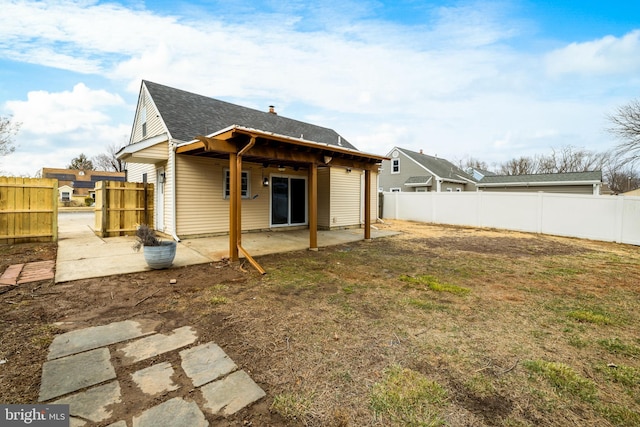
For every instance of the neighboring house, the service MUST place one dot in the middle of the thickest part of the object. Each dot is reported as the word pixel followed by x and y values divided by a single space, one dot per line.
pixel 79 184
pixel 408 170
pixel 572 182
pixel 291 174
pixel 635 192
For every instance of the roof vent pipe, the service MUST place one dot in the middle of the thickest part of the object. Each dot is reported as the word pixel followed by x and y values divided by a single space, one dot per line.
pixel 272 110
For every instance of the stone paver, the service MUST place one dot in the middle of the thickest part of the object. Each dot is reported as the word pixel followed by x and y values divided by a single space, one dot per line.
pixel 92 404
pixel 175 413
pixel 98 336
pixel 10 275
pixel 36 271
pixel 72 373
pixel 154 345
pixel 80 373
pixel 205 363
pixel 155 379
pixel 231 394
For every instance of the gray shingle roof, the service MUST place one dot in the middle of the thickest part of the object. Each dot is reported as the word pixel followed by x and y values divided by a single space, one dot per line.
pixel 441 167
pixel 543 177
pixel 188 114
pixel 419 180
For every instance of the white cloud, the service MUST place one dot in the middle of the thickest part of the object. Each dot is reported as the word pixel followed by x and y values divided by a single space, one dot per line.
pixel 46 113
pixel 451 83
pixel 606 56
pixel 56 127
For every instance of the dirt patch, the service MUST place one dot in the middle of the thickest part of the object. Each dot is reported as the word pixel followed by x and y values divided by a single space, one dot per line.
pixel 322 327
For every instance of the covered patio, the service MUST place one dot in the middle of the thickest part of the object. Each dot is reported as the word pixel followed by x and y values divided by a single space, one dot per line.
pixel 241 144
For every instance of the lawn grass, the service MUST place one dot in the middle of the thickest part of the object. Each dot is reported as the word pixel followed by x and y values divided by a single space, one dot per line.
pixel 422 331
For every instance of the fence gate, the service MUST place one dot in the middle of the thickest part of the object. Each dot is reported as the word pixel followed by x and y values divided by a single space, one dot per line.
pixel 28 210
pixel 120 206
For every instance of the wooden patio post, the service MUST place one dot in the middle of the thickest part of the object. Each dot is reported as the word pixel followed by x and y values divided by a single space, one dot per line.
pixel 233 208
pixel 313 207
pixel 367 205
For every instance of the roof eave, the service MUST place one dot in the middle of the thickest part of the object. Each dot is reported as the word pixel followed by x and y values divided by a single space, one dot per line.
pixel 532 184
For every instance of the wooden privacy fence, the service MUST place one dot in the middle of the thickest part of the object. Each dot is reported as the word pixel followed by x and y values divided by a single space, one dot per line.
pixel 28 210
pixel 120 206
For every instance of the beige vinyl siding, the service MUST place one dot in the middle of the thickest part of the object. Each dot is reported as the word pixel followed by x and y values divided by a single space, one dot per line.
pixel 201 206
pixel 324 198
pixel 155 125
pixel 135 171
pixel 159 152
pixel 345 201
pixel 374 197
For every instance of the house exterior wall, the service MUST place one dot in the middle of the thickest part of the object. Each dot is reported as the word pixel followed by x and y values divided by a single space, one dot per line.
pixel 452 186
pixel 324 198
pixel 374 196
pixel 346 199
pixel 567 189
pixel 408 168
pixel 201 206
pixel 155 126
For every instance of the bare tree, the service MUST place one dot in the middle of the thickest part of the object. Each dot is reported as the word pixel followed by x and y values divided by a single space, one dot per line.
pixel 108 161
pixel 468 162
pixel 626 127
pixel 8 130
pixel 570 159
pixel 81 163
pixel 619 174
pixel 518 166
pixel 563 160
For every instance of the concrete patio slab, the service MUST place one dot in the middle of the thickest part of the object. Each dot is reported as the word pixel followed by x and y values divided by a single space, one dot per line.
pixel 154 345
pixel 176 412
pixel 206 363
pixel 231 394
pixel 72 373
pixel 93 403
pixel 82 255
pixel 99 336
pixel 155 379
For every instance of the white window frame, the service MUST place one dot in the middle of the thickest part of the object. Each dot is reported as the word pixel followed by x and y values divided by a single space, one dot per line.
pixel 65 196
pixel 143 119
pixel 395 164
pixel 246 176
pixel 395 189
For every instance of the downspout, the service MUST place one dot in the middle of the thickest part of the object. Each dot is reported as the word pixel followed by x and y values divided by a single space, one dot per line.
pixel 238 194
pixel 174 219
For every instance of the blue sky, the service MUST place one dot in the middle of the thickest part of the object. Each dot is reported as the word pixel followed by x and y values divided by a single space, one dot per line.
pixel 488 79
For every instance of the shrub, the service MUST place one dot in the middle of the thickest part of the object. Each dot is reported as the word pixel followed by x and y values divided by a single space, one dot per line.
pixel 145 236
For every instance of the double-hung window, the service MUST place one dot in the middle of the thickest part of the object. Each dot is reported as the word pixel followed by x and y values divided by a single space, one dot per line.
pixel 395 165
pixel 244 184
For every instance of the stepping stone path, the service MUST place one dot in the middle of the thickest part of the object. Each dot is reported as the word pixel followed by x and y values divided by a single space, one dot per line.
pixel 85 368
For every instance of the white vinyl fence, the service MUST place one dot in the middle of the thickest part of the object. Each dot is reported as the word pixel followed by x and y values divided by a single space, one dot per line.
pixel 606 218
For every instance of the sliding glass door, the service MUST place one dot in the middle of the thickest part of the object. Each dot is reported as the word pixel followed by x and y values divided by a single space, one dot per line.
pixel 288 200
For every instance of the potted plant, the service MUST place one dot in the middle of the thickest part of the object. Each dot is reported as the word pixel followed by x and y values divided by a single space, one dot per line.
pixel 158 253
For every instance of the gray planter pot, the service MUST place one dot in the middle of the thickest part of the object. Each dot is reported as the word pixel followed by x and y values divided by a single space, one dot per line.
pixel 159 257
